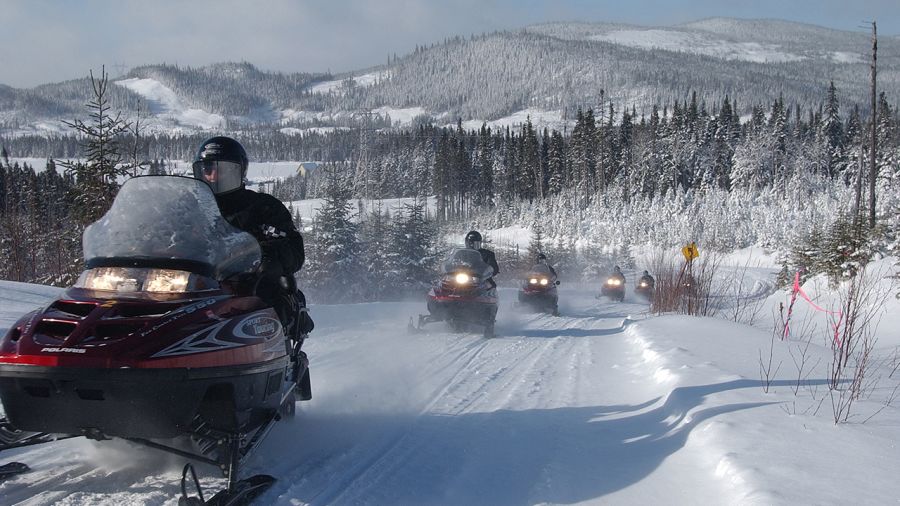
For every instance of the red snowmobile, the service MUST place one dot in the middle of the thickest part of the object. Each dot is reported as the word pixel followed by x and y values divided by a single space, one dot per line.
pixel 161 337
pixel 539 290
pixel 464 294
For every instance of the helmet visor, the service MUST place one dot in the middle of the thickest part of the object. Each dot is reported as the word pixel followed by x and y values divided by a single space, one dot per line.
pixel 221 176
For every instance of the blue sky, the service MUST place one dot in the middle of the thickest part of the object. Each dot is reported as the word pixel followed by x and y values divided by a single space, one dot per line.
pixel 53 40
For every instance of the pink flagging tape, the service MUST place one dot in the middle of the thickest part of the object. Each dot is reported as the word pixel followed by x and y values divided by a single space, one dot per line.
pixel 799 291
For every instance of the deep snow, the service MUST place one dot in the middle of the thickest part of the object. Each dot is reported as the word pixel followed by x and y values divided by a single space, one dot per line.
pixel 603 405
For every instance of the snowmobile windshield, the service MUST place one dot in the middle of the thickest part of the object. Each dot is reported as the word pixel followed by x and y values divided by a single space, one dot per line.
pixel 541 270
pixel 169 222
pixel 467 260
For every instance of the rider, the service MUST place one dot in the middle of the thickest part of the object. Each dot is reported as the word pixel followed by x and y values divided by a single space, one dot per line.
pixel 473 241
pixel 647 278
pixel 617 273
pixel 222 163
pixel 541 259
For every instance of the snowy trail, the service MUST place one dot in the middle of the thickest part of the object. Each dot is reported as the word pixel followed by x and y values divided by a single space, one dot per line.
pixel 476 432
pixel 554 410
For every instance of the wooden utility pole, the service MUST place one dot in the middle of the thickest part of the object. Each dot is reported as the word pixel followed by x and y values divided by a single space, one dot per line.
pixel 873 168
pixel 857 202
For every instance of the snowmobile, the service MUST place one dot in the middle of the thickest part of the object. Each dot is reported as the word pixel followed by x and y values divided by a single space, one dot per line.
pixel 614 288
pixel 464 294
pixel 688 286
pixel 539 290
pixel 161 341
pixel 645 289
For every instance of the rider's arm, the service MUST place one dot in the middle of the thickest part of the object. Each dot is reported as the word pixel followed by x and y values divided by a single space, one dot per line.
pixel 492 261
pixel 281 243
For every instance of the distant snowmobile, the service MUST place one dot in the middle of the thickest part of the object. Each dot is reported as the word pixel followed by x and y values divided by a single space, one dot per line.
pixel 645 286
pixel 539 290
pixel 161 337
pixel 614 286
pixel 464 294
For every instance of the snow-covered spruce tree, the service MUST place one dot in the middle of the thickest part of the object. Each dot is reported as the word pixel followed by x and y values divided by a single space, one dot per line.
pixel 535 246
pixel 838 252
pixel 483 168
pixel 96 179
pixel 556 164
pixel 888 155
pixel 530 175
pixel 376 245
pixel 334 269
pixel 412 256
pixel 831 135
pixel 441 176
pixel 422 162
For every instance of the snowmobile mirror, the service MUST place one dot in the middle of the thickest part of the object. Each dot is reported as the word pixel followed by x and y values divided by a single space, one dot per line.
pixel 557 282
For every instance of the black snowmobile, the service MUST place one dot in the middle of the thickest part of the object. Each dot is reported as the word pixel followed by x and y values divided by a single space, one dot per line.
pixel 645 287
pixel 464 294
pixel 539 290
pixel 614 287
pixel 161 341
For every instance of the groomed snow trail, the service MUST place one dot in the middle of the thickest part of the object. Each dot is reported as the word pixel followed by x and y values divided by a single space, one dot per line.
pixel 552 411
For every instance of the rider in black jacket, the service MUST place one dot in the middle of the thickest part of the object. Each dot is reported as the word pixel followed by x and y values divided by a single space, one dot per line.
pixel 541 259
pixel 222 163
pixel 473 241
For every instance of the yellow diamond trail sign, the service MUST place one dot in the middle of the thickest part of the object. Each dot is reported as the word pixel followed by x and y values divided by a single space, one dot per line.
pixel 690 251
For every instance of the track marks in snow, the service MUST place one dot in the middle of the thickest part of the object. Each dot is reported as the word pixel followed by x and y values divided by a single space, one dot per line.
pixel 477 426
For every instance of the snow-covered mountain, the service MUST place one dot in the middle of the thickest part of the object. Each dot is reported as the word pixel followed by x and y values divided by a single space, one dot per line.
pixel 543 71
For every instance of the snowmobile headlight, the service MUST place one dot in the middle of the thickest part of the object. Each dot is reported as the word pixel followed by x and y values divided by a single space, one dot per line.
pixel 462 278
pixel 643 284
pixel 112 279
pixel 613 282
pixel 533 281
pixel 166 280
pixel 544 281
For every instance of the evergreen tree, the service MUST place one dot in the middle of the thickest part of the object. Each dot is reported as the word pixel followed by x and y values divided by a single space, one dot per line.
pixel 556 164
pixel 335 271
pixel 380 282
pixel 413 256
pixel 530 175
pixel 97 178
pixel 831 135
pixel 483 167
pixel 535 245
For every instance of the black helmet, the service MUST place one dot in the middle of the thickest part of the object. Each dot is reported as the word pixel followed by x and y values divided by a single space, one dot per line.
pixel 222 163
pixel 646 273
pixel 540 258
pixel 473 240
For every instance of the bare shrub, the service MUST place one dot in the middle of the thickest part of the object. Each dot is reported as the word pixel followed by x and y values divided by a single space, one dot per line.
pixel 853 342
pixel 766 363
pixel 684 287
pixel 799 351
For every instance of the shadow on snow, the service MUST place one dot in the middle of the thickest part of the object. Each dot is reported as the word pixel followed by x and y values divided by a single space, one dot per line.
pixel 560 455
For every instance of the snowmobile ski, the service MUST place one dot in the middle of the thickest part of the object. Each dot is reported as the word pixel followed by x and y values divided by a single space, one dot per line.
pixel 11 437
pixel 240 493
pixel 12 469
